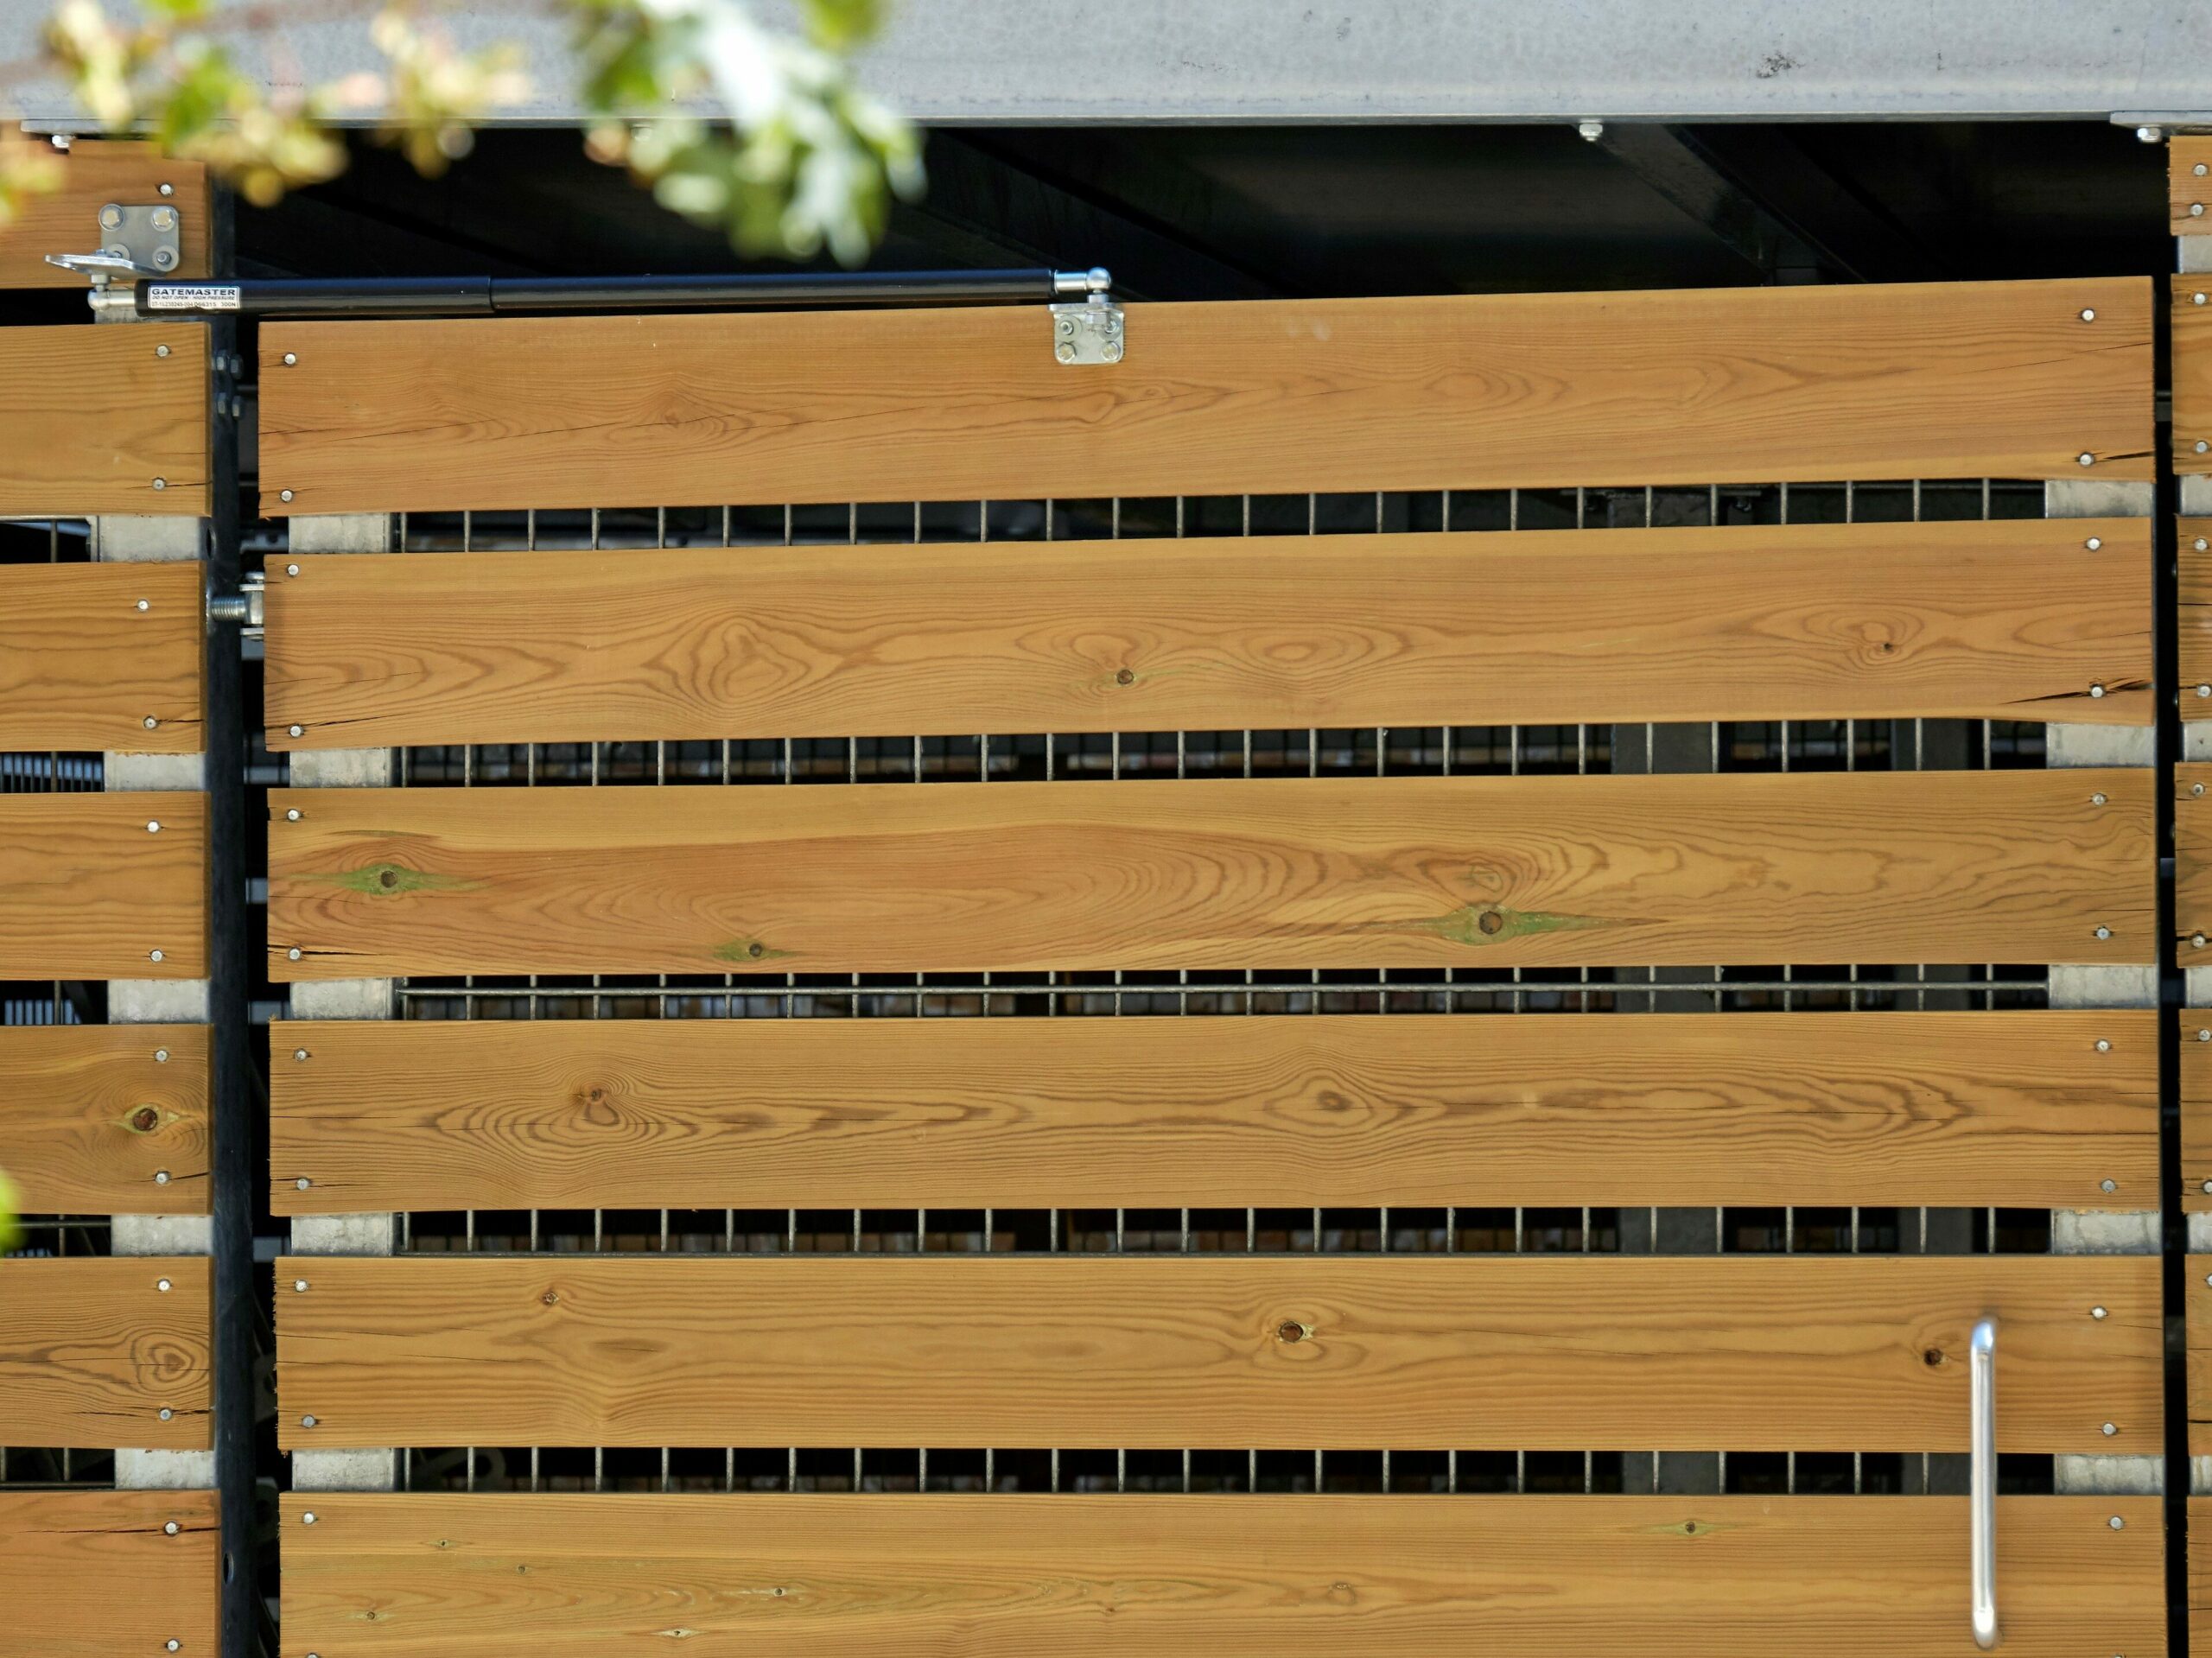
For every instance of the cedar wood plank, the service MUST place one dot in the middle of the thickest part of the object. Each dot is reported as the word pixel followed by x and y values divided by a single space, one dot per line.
pixel 1495 1351
pixel 66 219
pixel 93 1574
pixel 90 894
pixel 2004 621
pixel 2193 660
pixel 1148 1575
pixel 92 1350
pixel 1343 873
pixel 1979 1109
pixel 83 667
pixel 91 416
pixel 1926 380
pixel 90 1114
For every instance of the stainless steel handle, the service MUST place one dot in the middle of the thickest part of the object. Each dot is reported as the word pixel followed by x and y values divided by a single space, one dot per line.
pixel 1981 1483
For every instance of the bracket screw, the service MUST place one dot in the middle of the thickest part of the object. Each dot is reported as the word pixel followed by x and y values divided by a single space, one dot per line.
pixel 2086 459
pixel 307 1519
pixel 165 1413
pixel 153 826
pixel 297 730
pixel 2096 542
pixel 2110 1429
pixel 299 1286
pixel 2104 1044
pixel 291 814
pixel 306 1421
pixel 161 483
pixel 2104 933
pixel 283 494
pixel 2088 316
pixel 303 1183
pixel 161 1177
pixel 172 1645
pixel 153 956
pixel 299 1053
pixel 2096 690
pixel 2117 1523
pixel 2096 1312
pixel 1590 130
pixel 2096 800
pixel 2107 1185
pixel 161 1056
pixel 161 351
pixel 163 1285
pixel 171 1528
pixel 291 359
pixel 291 570
pixel 150 722
pixel 145 604
pixel 293 954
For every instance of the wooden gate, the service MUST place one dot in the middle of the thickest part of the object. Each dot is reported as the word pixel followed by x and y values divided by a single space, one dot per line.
pixel 775 1223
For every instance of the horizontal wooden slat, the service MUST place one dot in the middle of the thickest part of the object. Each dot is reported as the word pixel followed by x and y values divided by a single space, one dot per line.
pixel 92 1349
pixel 2012 1109
pixel 66 219
pixel 90 894
pixel 83 665
pixel 1827 621
pixel 91 1114
pixel 89 417
pixel 1933 380
pixel 1013 1575
pixel 2193 863
pixel 2189 184
pixel 1474 1351
pixel 1345 872
pixel 2196 1110
pixel 2192 374
pixel 2197 1323
pixel 93 1574
pixel 2194 661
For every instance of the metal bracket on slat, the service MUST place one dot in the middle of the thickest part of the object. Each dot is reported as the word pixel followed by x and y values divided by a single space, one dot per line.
pixel 1089 331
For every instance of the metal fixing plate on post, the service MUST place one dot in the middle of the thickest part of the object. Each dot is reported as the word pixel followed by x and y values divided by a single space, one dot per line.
pixel 1088 333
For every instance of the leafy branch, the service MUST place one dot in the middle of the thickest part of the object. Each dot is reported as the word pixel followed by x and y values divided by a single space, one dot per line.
pixel 765 134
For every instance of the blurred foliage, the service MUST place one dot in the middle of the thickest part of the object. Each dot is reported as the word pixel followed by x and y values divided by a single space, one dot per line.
pixel 764 134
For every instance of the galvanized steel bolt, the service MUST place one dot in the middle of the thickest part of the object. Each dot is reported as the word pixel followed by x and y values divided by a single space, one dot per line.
pixel 161 483
pixel 299 1286
pixel 2197 299
pixel 291 359
pixel 2104 933
pixel 2108 1185
pixel 173 1644
pixel 2096 690
pixel 161 351
pixel 161 1177
pixel 299 1053
pixel 2197 941
pixel 171 1528
pixel 2203 447
pixel 2111 1428
pixel 153 956
pixel 162 218
pixel 2096 1312
pixel 308 1421
pixel 291 570
pixel 303 1183
pixel 145 604
pixel 2088 316
pixel 2086 458
pixel 2117 1523
pixel 161 1056
pixel 307 1519
pixel 285 495
pixel 291 814
pixel 297 730
pixel 165 1413
pixel 1590 130
pixel 150 722
pixel 2097 800
pixel 2095 542
pixel 163 1285
pixel 153 826
pixel 2104 1044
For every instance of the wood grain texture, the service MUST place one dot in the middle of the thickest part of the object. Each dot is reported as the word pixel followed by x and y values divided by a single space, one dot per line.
pixel 1931 380
pixel 2193 864
pixel 89 417
pixel 2189 183
pixel 92 1350
pixel 2196 1324
pixel 1475 1352
pixel 92 1574
pixel 90 893
pixel 81 666
pixel 1275 873
pixel 2191 368
pixel 2009 1108
pixel 1999 620
pixel 89 1115
pixel 2193 664
pixel 1143 1575
pixel 2195 1109
pixel 66 219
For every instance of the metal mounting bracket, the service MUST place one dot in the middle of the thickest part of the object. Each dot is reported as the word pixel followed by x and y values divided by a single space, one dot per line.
pixel 148 236
pixel 1089 332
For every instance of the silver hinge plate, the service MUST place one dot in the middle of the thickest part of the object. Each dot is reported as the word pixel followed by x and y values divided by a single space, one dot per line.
pixel 151 238
pixel 1087 333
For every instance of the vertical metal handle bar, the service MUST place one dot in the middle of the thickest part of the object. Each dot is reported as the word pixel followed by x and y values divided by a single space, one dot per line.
pixel 1981 1483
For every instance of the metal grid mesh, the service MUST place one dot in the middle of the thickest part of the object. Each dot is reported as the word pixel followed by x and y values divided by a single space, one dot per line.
pixel 984 758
